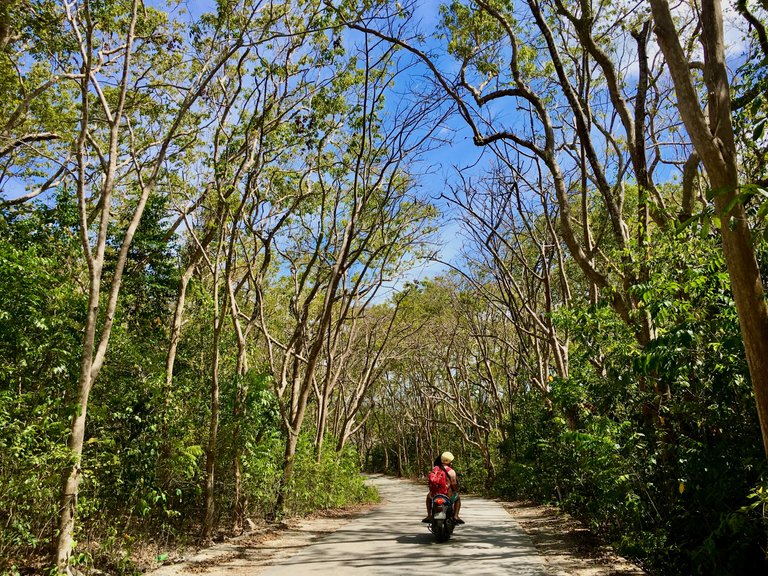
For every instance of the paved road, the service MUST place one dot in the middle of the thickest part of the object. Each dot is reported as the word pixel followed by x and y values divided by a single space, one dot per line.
pixel 391 540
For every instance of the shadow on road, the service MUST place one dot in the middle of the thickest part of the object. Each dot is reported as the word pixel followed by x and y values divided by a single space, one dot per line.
pixel 415 539
pixel 391 540
pixel 471 551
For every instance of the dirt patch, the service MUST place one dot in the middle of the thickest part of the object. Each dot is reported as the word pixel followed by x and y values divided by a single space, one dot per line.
pixel 203 565
pixel 252 553
pixel 566 545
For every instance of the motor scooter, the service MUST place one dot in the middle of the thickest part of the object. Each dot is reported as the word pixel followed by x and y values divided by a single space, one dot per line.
pixel 442 523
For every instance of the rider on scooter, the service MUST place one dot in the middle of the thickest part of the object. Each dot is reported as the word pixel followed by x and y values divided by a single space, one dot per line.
pixel 444 461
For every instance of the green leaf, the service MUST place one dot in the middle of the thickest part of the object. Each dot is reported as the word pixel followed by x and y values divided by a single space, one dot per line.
pixel 705 225
pixel 759 130
pixel 763 211
pixel 713 193
pixel 742 198
pixel 685 224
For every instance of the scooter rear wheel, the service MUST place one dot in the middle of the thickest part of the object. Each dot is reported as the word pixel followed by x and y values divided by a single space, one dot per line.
pixel 441 530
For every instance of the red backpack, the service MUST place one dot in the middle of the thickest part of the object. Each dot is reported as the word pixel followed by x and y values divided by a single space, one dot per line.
pixel 438 481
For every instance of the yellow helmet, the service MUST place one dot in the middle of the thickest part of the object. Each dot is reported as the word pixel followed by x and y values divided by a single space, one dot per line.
pixel 446 457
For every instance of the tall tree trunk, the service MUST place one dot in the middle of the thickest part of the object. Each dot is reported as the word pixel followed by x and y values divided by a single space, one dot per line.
pixel 71 477
pixel 213 428
pixel 240 408
pixel 714 142
pixel 240 413
pixel 322 418
pixel 92 358
pixel 170 360
pixel 289 459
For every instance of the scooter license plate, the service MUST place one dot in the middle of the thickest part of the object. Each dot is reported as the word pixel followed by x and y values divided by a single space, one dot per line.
pixel 439 516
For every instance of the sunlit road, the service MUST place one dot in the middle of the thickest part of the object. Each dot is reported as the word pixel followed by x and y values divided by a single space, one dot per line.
pixel 392 540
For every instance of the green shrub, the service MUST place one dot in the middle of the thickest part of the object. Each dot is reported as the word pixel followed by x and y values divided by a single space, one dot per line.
pixel 332 483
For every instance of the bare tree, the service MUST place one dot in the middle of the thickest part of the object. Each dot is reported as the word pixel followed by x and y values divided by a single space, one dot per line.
pixel 512 229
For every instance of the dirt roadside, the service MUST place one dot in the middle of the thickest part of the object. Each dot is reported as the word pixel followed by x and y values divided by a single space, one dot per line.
pixel 567 547
pixel 261 547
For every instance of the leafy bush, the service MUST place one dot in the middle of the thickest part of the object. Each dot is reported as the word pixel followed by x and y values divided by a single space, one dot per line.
pixel 32 454
pixel 332 483
pixel 39 352
pixel 666 446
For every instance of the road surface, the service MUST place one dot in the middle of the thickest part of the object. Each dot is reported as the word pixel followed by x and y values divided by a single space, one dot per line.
pixel 391 540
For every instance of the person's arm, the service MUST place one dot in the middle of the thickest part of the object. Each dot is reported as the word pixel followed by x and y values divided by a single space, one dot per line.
pixel 454 478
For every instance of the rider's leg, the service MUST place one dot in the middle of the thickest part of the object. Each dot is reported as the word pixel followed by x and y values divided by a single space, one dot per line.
pixel 429 509
pixel 457 508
